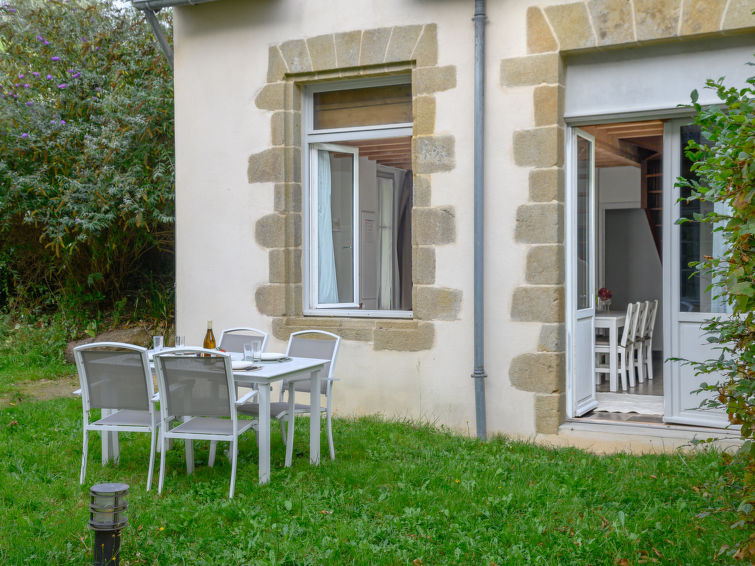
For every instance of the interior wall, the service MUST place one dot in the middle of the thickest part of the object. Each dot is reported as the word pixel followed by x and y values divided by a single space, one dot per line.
pixel 632 267
pixel 619 186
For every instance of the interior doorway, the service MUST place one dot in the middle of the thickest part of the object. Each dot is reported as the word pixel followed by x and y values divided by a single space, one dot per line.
pixel 624 238
pixel 629 250
pixel 615 226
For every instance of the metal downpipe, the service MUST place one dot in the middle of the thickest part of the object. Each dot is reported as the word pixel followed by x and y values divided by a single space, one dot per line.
pixel 159 34
pixel 150 7
pixel 160 4
pixel 479 374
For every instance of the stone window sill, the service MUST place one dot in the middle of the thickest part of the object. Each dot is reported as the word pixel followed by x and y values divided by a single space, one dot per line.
pixel 346 313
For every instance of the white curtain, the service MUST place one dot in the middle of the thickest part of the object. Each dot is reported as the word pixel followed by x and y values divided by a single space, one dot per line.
pixel 326 268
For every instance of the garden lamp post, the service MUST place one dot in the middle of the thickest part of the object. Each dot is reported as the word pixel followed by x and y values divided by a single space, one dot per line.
pixel 107 516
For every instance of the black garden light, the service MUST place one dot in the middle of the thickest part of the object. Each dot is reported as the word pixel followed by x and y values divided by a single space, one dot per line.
pixel 107 516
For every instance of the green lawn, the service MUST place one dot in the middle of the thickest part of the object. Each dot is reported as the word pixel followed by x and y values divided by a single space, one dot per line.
pixel 398 493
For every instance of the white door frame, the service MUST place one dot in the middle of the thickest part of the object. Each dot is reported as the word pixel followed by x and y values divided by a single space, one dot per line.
pixel 675 381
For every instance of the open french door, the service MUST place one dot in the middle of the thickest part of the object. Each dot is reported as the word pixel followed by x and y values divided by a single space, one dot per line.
pixel 688 299
pixel 580 273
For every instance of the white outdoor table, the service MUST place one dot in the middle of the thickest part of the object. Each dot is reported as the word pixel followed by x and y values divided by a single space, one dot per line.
pixel 612 320
pixel 297 369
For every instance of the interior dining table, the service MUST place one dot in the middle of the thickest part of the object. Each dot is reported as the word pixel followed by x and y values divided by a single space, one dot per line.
pixel 612 320
pixel 264 374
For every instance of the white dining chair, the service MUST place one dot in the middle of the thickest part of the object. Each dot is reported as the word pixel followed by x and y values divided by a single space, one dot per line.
pixel 234 339
pixel 623 353
pixel 647 338
pixel 316 344
pixel 116 378
pixel 198 396
pixel 638 358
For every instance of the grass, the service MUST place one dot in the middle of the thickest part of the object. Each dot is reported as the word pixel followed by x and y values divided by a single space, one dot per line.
pixel 398 493
pixel 30 352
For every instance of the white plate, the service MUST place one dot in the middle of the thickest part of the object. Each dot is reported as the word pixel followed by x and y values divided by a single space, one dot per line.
pixel 241 365
pixel 271 357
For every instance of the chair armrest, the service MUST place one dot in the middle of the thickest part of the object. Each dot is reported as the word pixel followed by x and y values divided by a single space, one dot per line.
pixel 77 392
pixel 246 397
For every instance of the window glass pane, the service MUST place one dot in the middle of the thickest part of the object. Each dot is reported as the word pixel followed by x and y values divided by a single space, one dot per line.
pixel 697 240
pixel 391 104
pixel 584 174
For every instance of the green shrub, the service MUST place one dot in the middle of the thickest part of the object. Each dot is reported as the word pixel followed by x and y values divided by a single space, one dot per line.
pixel 725 166
pixel 86 153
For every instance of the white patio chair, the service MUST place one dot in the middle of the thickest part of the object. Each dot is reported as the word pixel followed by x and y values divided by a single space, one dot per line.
pixel 233 339
pixel 316 344
pixel 116 377
pixel 624 347
pixel 198 395
pixel 647 338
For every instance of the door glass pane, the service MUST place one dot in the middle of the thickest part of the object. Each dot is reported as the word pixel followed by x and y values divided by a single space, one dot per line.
pixel 697 240
pixel 584 213
pixel 335 227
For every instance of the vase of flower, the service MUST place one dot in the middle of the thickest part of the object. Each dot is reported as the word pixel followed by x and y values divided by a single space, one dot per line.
pixel 604 299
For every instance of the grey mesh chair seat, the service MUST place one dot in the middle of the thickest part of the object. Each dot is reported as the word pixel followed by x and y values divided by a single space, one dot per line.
pixel 116 377
pixel 208 428
pixel 126 417
pixel 198 402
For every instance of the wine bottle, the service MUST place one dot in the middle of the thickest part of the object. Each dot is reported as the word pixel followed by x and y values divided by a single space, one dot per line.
pixel 209 337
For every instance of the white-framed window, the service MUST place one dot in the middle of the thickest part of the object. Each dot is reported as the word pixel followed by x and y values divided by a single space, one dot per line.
pixel 357 197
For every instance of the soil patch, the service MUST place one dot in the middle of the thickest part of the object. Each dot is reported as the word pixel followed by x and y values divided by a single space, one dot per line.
pixel 43 389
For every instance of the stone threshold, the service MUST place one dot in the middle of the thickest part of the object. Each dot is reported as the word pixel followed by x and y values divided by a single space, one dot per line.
pixel 654 428
pixel 610 437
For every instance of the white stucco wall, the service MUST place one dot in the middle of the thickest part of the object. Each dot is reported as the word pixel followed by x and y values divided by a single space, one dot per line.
pixel 221 61
pixel 221 54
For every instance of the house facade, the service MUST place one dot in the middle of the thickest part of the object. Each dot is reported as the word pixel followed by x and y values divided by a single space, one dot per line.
pixel 325 179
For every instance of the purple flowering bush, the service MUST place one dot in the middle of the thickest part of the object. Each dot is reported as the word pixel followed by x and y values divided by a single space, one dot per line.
pixel 86 153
